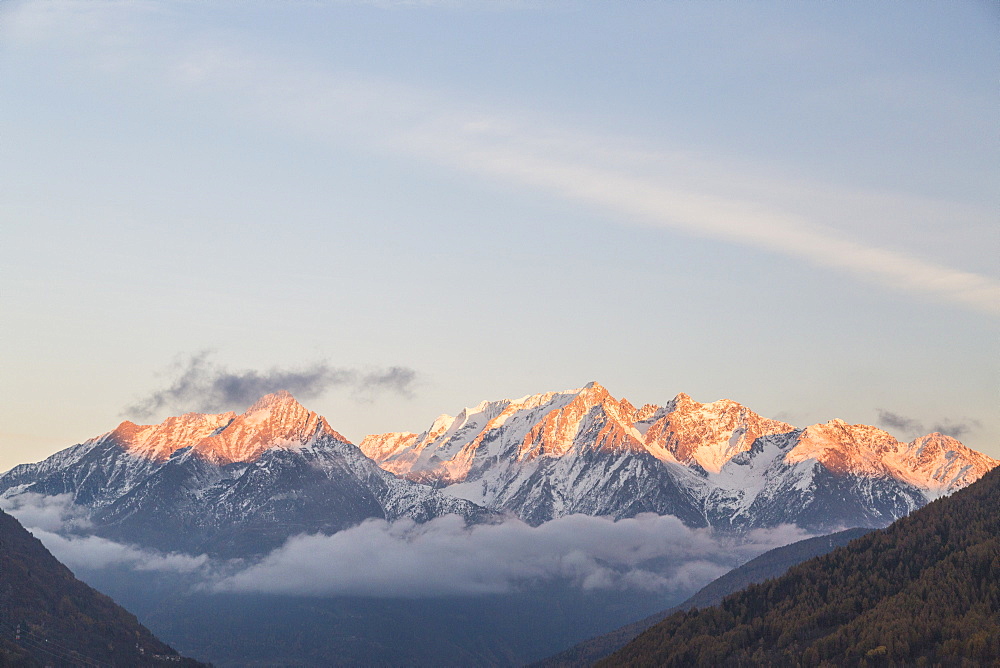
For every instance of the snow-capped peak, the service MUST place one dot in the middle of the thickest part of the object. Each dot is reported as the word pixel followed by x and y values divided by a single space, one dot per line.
pixel 279 398
pixel 939 464
pixel 707 434
pixel 275 420
pixel 843 448
pixel 159 441
pixel 380 447
pixel 541 456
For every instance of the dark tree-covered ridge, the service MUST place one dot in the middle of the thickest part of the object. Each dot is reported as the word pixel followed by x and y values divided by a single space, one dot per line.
pixel 771 564
pixel 49 618
pixel 924 591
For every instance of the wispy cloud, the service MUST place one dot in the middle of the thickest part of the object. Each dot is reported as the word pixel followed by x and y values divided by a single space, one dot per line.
pixel 62 525
pixel 955 428
pixel 444 557
pixel 913 427
pixel 631 187
pixel 55 512
pixel 897 421
pixel 199 384
pixel 759 224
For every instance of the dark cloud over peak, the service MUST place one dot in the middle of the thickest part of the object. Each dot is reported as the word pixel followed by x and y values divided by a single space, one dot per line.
pixel 202 385
pixel 897 421
pixel 955 429
pixel 913 427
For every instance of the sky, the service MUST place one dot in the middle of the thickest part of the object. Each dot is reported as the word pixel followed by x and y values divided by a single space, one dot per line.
pixel 398 209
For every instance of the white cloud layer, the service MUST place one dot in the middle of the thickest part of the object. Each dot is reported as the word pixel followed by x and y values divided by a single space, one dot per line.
pixel 445 557
pixel 58 522
pixel 94 552
pixel 47 512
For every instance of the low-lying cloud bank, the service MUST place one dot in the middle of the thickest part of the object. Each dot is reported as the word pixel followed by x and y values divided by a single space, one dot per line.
pixel 55 512
pixel 61 525
pixel 443 557
pixel 94 552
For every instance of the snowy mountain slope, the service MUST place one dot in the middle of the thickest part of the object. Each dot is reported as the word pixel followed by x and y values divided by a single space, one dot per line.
pixel 769 485
pixel 240 484
pixel 381 447
pixel 707 434
pixel 718 464
pixel 232 485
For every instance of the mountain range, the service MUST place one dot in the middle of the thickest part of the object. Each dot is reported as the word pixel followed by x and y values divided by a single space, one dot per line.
pixel 227 484
pixel 717 464
pixel 239 484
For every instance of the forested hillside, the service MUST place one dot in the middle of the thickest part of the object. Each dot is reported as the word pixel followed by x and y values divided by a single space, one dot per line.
pixel 924 591
pixel 771 564
pixel 49 618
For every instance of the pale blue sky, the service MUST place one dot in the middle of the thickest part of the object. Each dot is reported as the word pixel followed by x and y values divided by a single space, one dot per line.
pixel 793 205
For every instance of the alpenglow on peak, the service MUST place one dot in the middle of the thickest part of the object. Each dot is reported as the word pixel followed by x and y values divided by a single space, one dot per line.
pixel 275 420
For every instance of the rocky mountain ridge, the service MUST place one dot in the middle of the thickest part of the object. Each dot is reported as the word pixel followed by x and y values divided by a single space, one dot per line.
pixel 239 485
pixel 718 464
pixel 229 485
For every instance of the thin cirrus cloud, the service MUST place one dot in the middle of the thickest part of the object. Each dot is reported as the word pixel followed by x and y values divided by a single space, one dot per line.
pixel 387 116
pixel 202 385
pixel 396 118
pixel 738 221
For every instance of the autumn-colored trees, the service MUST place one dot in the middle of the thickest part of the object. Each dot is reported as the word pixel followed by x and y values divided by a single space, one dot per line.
pixel 48 617
pixel 925 591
